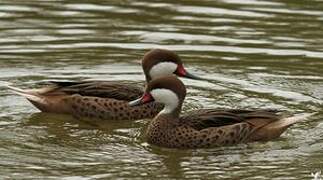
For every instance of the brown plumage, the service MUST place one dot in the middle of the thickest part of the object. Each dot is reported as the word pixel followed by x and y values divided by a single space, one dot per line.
pixel 206 127
pixel 105 99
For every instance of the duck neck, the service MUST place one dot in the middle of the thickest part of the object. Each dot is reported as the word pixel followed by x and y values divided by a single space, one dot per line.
pixel 172 102
pixel 148 78
pixel 170 114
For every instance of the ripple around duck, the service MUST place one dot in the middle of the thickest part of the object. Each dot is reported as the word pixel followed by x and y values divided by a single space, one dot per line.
pixel 254 54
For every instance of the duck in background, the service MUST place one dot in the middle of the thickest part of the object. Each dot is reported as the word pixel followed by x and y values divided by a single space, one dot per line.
pixel 106 99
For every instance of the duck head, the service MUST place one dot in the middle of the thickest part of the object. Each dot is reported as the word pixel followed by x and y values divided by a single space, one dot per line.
pixel 161 62
pixel 167 90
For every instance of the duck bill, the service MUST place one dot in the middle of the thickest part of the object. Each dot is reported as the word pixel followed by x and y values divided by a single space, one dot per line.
pixel 192 76
pixel 182 72
pixel 146 98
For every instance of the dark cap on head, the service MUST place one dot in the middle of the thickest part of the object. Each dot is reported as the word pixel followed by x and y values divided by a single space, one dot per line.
pixel 157 56
pixel 170 82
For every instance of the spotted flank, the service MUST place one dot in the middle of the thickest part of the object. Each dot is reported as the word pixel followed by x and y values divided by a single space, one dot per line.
pixel 111 109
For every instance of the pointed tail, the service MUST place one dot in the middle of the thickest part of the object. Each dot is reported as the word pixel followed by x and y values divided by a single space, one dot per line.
pixel 275 129
pixel 29 94
pixel 41 100
pixel 286 122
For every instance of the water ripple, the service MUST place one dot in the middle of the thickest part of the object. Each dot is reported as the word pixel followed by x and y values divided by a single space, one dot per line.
pixel 93 7
pixel 219 11
pixel 188 38
pixel 205 48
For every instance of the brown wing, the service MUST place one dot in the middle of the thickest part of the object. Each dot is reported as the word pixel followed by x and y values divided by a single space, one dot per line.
pixel 205 118
pixel 104 89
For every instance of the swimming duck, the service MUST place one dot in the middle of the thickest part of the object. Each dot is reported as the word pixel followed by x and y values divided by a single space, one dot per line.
pixel 206 127
pixel 106 99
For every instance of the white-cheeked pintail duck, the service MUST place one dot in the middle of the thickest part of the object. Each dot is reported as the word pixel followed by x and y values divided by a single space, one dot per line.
pixel 206 127
pixel 106 99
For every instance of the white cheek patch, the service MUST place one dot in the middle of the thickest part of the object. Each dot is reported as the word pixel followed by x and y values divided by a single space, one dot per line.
pixel 166 97
pixel 162 69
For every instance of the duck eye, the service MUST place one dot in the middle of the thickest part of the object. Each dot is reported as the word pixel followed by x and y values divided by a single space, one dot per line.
pixel 180 71
pixel 147 97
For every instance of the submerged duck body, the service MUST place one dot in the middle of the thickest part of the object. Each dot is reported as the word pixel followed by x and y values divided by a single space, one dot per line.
pixel 206 127
pixel 106 99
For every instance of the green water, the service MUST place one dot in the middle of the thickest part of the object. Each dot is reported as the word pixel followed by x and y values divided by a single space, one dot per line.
pixel 256 53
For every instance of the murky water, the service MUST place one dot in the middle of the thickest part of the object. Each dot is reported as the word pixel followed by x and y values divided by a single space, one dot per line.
pixel 256 53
